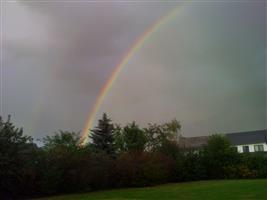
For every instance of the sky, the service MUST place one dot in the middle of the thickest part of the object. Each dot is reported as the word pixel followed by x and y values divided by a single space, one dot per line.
pixel 205 66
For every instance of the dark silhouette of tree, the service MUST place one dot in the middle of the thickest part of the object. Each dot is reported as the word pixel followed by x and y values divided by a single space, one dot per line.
pixel 103 136
pixel 158 135
pixel 218 154
pixel 62 139
pixel 134 137
pixel 119 139
pixel 117 156
pixel 62 156
pixel 16 152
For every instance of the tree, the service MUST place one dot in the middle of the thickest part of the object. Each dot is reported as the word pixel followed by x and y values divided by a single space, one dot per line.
pixel 16 152
pixel 159 135
pixel 119 139
pixel 219 155
pixel 173 127
pixel 62 139
pixel 103 136
pixel 133 137
pixel 62 156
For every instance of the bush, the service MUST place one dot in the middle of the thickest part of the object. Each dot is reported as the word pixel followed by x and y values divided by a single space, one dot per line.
pixel 239 172
pixel 218 155
pixel 63 166
pixel 143 169
pixel 190 167
pixel 256 162
pixel 100 171
pixel 16 161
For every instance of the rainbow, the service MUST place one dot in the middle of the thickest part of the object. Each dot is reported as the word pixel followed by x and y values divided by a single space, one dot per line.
pixel 114 75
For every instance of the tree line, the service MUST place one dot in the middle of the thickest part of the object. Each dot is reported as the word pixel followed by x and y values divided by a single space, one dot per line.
pixel 115 157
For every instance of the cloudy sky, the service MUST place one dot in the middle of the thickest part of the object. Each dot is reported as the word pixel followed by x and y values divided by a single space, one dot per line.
pixel 205 66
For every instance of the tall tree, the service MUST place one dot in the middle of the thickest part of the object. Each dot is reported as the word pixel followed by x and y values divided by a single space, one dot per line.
pixel 218 155
pixel 119 139
pixel 103 136
pixel 62 155
pixel 158 135
pixel 16 151
pixel 135 138
pixel 130 138
pixel 62 140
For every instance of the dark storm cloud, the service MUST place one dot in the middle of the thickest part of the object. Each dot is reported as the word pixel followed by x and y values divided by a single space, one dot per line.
pixel 93 38
pixel 59 55
pixel 205 66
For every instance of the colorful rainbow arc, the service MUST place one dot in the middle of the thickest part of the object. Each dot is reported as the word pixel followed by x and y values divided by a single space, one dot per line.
pixel 108 84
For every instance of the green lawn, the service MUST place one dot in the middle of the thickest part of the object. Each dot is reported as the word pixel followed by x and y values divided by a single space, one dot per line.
pixel 204 190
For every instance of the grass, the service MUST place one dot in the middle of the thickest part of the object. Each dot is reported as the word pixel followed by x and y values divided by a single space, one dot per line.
pixel 204 190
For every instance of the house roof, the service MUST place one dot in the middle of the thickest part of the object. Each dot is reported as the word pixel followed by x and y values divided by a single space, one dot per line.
pixel 193 142
pixel 240 138
pixel 249 137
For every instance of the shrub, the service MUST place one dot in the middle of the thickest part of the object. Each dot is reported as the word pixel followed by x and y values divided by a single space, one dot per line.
pixel 16 161
pixel 257 162
pixel 142 169
pixel 217 155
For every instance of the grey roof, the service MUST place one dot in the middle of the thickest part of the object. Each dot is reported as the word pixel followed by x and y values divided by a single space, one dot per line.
pixel 240 138
pixel 193 142
pixel 249 137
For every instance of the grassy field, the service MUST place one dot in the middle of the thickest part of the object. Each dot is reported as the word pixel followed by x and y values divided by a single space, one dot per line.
pixel 204 190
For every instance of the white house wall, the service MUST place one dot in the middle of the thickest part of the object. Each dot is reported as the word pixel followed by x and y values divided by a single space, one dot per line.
pixel 251 147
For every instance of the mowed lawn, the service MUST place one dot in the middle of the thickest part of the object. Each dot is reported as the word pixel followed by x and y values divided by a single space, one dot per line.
pixel 204 190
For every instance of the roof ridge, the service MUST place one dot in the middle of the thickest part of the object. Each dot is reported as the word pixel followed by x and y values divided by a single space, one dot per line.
pixel 252 131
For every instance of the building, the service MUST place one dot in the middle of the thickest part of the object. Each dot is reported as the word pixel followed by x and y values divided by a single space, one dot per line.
pixel 250 141
pixel 193 142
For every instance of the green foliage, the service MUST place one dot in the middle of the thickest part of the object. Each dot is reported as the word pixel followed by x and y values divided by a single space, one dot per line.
pixel 159 134
pixel 16 162
pixel 116 157
pixel 61 155
pixel 100 171
pixel 189 167
pixel 62 140
pixel 173 126
pixel 257 163
pixel 170 148
pixel 239 171
pixel 142 169
pixel 218 155
pixel 119 139
pixel 103 136
pixel 130 138
pixel 134 137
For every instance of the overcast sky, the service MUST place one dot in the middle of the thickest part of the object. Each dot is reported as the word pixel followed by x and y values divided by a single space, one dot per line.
pixel 205 66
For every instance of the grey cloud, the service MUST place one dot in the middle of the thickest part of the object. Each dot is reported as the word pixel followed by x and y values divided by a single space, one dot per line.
pixel 92 39
pixel 213 73
pixel 197 67
pixel 61 60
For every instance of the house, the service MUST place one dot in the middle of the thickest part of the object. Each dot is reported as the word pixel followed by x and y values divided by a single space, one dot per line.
pixel 193 142
pixel 250 141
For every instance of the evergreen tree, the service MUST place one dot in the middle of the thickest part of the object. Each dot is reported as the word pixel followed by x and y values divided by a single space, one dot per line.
pixel 135 138
pixel 16 160
pixel 103 136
